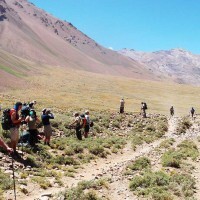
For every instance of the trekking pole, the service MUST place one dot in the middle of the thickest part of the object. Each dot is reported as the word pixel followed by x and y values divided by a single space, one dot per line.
pixel 22 142
pixel 14 178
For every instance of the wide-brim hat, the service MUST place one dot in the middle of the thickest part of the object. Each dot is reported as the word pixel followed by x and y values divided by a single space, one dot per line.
pixel 76 113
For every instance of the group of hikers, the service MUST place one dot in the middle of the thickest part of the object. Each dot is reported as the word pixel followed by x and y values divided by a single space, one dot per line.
pixel 12 119
pixel 24 116
pixel 171 110
pixel 143 108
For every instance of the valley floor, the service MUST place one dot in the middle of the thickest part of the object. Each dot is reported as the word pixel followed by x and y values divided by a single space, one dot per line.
pixel 114 166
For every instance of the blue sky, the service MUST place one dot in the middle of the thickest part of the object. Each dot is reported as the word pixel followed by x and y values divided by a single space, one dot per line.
pixel 144 25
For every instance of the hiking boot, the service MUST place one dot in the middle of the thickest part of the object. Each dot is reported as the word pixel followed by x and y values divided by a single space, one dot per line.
pixel 48 144
pixel 16 155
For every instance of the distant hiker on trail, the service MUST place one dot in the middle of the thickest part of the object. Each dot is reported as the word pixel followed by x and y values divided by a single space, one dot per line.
pixel 46 116
pixel 87 125
pixel 122 102
pixel 31 121
pixel 143 109
pixel 5 146
pixel 16 121
pixel 78 126
pixel 192 111
pixel 171 111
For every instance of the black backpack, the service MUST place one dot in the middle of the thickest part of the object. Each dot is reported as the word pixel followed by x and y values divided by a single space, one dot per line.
pixel 25 111
pixel 6 121
pixel 145 106
pixel 91 124
pixel 192 110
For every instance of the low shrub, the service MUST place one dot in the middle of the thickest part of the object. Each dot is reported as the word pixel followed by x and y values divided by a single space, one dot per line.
pixel 140 163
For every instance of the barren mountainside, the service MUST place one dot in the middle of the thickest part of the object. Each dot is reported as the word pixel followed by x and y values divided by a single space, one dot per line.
pixel 178 64
pixel 32 34
pixel 31 37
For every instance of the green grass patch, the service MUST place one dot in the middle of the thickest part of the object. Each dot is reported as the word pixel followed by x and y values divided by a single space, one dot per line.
pixel 11 71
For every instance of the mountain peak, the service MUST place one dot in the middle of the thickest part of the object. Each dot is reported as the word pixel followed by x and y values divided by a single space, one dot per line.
pixel 177 63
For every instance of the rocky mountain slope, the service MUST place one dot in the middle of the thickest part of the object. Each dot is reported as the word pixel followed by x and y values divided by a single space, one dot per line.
pixel 32 34
pixel 177 64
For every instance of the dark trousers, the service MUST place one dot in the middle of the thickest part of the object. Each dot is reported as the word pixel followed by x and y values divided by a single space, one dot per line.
pixel 144 113
pixel 33 137
pixel 121 110
pixel 78 133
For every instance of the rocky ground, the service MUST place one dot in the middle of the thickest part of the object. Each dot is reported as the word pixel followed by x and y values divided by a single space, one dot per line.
pixel 112 167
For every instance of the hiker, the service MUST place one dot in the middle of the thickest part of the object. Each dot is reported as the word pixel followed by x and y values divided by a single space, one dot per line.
pixel 26 108
pixel 46 116
pixel 171 111
pixel 5 146
pixel 77 123
pixel 121 109
pixel 16 121
pixel 32 105
pixel 192 111
pixel 87 125
pixel 143 109
pixel 31 121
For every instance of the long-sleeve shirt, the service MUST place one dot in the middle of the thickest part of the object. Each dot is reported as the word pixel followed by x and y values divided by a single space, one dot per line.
pixel 45 119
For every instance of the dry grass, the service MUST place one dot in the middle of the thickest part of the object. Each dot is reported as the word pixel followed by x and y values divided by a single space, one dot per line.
pixel 67 89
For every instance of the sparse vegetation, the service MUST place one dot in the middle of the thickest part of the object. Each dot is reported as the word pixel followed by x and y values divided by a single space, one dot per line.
pixel 5 183
pixel 166 144
pixel 160 185
pixel 43 182
pixel 148 130
pixel 174 158
pixel 79 192
pixel 140 164
pixel 109 136
pixel 183 125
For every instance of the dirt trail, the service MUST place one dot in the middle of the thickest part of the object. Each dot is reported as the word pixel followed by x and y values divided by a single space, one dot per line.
pixel 113 166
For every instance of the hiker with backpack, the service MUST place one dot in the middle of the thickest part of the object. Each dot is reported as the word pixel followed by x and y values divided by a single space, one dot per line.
pixel 143 109
pixel 31 121
pixel 121 109
pixel 26 108
pixel 5 146
pixel 78 122
pixel 192 111
pixel 171 111
pixel 87 125
pixel 46 116
pixel 16 120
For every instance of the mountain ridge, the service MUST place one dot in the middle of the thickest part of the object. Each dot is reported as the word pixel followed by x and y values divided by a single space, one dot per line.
pixel 178 64
pixel 34 35
pixel 31 33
